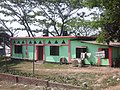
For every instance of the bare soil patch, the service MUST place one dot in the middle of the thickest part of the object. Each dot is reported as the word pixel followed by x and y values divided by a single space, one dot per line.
pixel 12 86
pixel 88 77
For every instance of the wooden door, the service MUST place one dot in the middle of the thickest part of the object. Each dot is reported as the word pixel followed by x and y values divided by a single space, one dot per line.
pixel 40 52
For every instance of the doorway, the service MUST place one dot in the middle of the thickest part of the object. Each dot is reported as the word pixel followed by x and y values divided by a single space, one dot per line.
pixel 79 51
pixel 40 52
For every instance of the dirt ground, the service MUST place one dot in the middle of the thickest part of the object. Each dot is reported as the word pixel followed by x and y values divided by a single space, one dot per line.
pixel 89 77
pixel 15 86
pixel 12 86
pixel 106 71
pixel 88 69
pixel 114 88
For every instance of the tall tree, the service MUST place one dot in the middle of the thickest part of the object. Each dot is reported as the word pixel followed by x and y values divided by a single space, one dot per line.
pixel 57 13
pixel 109 20
pixel 18 11
pixel 56 16
pixel 81 27
pixel 5 29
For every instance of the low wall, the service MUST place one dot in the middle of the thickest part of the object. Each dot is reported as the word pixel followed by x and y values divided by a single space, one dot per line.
pixel 34 81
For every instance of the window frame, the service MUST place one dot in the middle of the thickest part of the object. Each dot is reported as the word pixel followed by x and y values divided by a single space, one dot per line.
pixel 54 50
pixel 18 49
pixel 80 50
pixel 106 50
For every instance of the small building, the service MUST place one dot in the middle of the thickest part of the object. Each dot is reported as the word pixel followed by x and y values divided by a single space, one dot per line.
pixel 1 51
pixel 4 44
pixel 52 49
pixel 4 51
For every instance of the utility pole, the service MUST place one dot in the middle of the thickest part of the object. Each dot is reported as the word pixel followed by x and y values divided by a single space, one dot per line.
pixel 4 54
pixel 33 55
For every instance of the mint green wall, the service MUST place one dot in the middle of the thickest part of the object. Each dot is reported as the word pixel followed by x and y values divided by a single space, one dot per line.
pixel 59 40
pixel 63 50
pixel 116 53
pixel 24 51
pixel 30 53
pixel 91 48
pixel 22 55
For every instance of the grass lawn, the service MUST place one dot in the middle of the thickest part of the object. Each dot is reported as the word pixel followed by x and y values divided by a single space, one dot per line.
pixel 90 77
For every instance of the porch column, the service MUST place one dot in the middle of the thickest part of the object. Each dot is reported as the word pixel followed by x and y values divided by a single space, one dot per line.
pixel 99 49
pixel 36 53
pixel 110 56
pixel 43 49
pixel 11 48
pixel 26 49
pixel 69 52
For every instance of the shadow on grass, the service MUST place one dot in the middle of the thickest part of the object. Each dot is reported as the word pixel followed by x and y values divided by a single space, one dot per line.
pixel 6 67
pixel 10 62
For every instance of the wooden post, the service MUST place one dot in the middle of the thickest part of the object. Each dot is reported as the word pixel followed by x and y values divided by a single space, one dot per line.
pixel 6 66
pixel 99 62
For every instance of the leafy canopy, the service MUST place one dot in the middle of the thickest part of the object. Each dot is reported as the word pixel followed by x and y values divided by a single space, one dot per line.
pixel 109 20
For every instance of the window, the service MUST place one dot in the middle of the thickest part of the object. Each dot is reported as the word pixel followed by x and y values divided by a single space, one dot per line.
pixel 18 49
pixel 79 51
pixel 106 52
pixel 54 50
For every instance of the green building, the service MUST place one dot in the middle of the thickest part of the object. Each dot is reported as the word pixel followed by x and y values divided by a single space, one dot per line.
pixel 52 49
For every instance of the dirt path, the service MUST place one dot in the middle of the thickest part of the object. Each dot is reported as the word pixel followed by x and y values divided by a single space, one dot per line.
pixel 113 88
pixel 102 70
pixel 106 71
pixel 99 74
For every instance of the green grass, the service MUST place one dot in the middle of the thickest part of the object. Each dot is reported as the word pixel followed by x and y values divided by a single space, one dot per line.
pixel 1 58
pixel 52 66
pixel 44 71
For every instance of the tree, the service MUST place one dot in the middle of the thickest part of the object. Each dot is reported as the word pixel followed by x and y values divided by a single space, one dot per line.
pixel 81 27
pixel 5 29
pixel 109 20
pixel 56 14
pixel 18 11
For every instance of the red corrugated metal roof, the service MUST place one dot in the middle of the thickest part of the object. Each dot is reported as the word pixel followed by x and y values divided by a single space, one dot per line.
pixel 55 37
pixel 114 44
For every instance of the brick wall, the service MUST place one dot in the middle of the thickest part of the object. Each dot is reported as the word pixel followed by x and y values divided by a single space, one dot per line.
pixel 34 81
pixel 7 77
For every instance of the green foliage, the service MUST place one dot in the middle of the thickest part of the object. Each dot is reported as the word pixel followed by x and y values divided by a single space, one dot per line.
pixel 57 13
pixel 100 38
pixel 82 27
pixel 43 14
pixel 54 15
pixel 109 20
pixel 1 58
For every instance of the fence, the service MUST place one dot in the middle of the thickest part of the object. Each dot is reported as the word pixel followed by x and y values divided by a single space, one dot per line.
pixel 34 81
